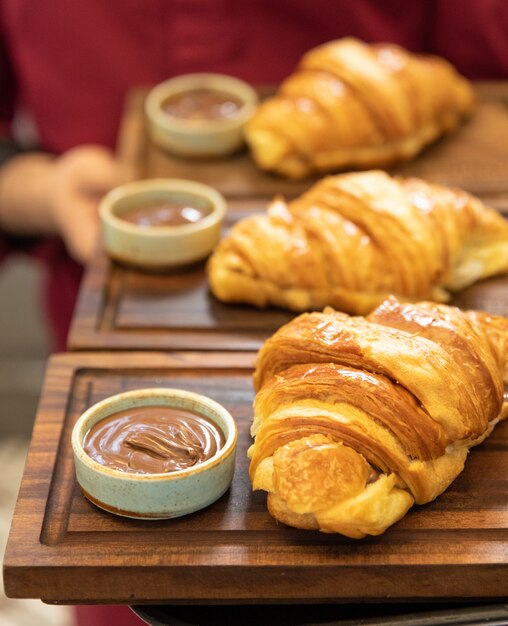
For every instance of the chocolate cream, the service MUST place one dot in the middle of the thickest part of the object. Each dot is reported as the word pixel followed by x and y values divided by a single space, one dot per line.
pixel 202 104
pixel 168 213
pixel 153 440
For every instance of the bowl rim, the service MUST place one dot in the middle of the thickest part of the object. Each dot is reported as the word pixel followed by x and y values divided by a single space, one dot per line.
pixel 186 82
pixel 138 187
pixel 165 392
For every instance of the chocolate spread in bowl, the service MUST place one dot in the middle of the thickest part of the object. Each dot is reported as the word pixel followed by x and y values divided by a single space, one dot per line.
pixel 153 440
pixel 168 213
pixel 202 104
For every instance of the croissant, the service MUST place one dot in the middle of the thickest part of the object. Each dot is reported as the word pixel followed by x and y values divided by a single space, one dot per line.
pixel 356 419
pixel 354 239
pixel 354 105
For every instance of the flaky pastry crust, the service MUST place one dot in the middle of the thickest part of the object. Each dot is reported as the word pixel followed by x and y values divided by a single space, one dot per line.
pixel 358 418
pixel 354 105
pixel 352 240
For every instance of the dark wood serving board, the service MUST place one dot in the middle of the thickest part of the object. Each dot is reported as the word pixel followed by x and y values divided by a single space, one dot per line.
pixel 120 308
pixel 62 549
pixel 475 157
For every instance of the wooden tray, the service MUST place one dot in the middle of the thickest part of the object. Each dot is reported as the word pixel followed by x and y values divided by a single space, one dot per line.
pixel 62 549
pixel 474 158
pixel 122 309
pixel 119 308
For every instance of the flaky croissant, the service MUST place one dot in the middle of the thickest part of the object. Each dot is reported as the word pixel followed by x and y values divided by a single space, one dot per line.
pixel 354 105
pixel 356 419
pixel 354 239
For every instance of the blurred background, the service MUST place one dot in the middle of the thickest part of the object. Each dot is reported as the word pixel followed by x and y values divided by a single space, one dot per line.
pixel 24 348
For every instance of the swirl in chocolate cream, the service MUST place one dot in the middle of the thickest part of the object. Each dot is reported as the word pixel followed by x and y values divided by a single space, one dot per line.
pixel 153 440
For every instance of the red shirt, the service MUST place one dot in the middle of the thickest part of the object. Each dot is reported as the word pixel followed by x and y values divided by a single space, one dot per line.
pixel 73 62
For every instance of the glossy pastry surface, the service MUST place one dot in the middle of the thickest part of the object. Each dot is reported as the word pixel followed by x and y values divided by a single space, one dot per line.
pixel 352 240
pixel 357 419
pixel 353 105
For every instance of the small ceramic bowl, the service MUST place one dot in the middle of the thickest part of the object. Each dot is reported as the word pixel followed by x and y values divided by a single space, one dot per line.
pixel 199 137
pixel 155 496
pixel 158 248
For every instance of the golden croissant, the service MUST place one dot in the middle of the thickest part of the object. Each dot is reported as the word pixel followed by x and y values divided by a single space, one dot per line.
pixel 354 239
pixel 354 105
pixel 356 419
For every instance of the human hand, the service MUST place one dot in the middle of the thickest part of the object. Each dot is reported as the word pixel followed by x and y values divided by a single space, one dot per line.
pixel 41 194
pixel 81 177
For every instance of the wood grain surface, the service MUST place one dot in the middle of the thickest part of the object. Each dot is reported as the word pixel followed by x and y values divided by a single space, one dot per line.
pixel 120 308
pixel 475 157
pixel 62 549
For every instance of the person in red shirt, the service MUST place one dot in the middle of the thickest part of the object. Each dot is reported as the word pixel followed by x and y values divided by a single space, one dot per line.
pixel 66 66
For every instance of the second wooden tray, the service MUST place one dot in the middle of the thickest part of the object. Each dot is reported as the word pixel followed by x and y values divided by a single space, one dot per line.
pixel 119 308
pixel 122 309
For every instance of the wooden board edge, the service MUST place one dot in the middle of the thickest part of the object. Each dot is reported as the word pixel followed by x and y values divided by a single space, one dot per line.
pixel 262 584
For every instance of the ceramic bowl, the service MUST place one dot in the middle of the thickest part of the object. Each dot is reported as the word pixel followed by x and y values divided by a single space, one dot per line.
pixel 199 137
pixel 159 248
pixel 155 496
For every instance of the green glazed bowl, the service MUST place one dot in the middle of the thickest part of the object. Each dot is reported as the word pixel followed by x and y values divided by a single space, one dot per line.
pixel 155 496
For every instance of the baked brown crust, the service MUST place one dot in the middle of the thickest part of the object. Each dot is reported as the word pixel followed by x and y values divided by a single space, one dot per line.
pixel 352 240
pixel 358 418
pixel 354 105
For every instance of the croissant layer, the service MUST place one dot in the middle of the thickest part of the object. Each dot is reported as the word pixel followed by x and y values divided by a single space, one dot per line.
pixel 350 104
pixel 358 418
pixel 354 239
